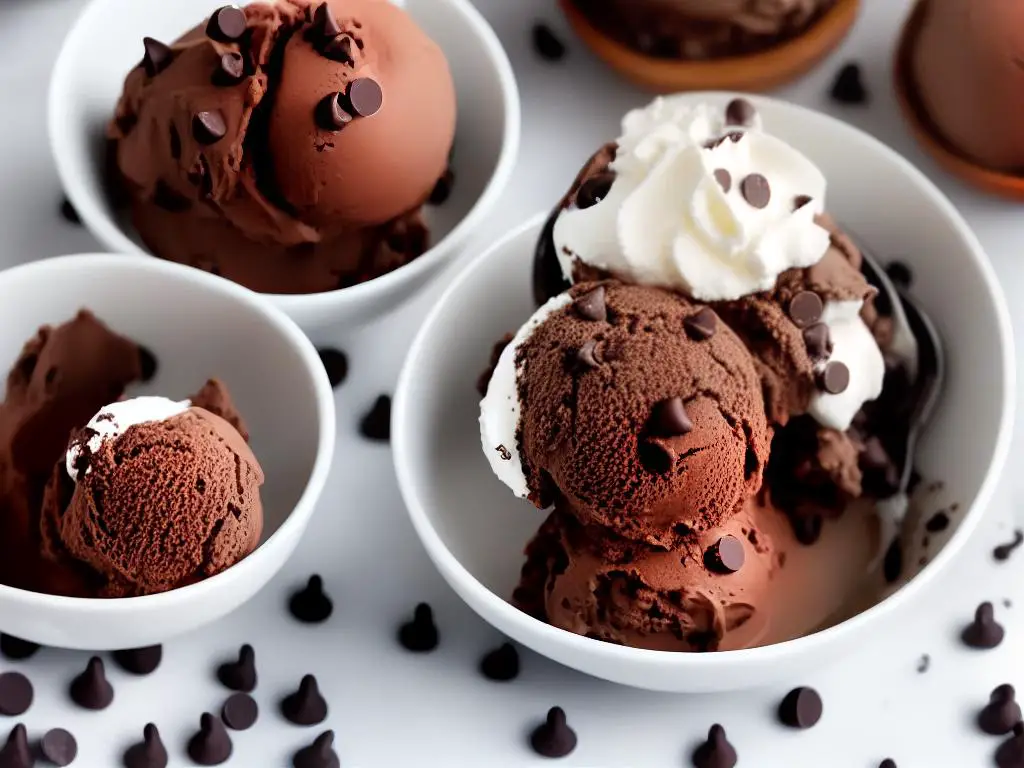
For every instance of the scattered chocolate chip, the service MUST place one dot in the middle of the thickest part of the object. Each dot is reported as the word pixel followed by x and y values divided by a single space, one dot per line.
pixel 801 708
pixel 442 189
pixel 319 754
pixel 230 69
pixel 140 661
pixel 800 201
pixel 68 212
pixel 1010 753
pixel 591 305
pixel 756 190
pixel 924 663
pixel 670 419
pixel 1003 551
pixel 701 325
pixel 16 752
pixel 306 706
pixel 340 49
pixel 156 57
pixel 211 744
pixel 553 737
pixel 335 362
pixel 147 363
pixel 166 197
pixel 376 424
pixel 805 309
pixel 900 274
pixel 419 635
pixel 501 664
pixel 807 528
pixel 1001 713
pixel 148 753
pixel 835 378
pixel 227 24
pixel 91 689
pixel 818 341
pixel 984 632
pixel 585 359
pixel 892 563
pixel 208 126
pixel 15 694
pixel 848 87
pixel 937 523
pixel 739 112
pixel 716 752
pixel 16 649
pixel 594 190
pixel 330 112
pixel 724 179
pixel 239 712
pixel 546 43
pixel 240 675
pixel 887 763
pixel 59 747
pixel 325 26
pixel 725 556
pixel 364 96
pixel 311 605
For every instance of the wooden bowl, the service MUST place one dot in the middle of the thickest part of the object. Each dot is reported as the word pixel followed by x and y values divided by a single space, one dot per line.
pixel 995 182
pixel 751 72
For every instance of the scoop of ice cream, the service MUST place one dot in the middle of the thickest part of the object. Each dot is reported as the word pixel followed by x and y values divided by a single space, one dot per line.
pixel 291 152
pixel 635 405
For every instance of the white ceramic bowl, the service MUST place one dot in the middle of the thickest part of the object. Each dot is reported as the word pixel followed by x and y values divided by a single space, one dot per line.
pixel 474 529
pixel 198 326
pixel 85 87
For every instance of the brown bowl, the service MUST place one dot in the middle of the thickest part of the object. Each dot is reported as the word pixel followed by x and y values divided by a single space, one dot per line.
pixel 751 72
pixel 996 182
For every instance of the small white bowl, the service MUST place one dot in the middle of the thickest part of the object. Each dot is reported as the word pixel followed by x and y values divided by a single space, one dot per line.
pixel 198 326
pixel 84 89
pixel 474 529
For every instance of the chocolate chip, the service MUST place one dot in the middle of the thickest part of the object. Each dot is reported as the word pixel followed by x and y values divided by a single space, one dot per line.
pixel 1003 551
pixel 319 754
pixel 335 362
pixel 887 763
pixel 546 43
pixel 240 675
pixel 325 26
pixel 239 712
pixel 140 661
pixel 1010 753
pixel 211 745
pixel 807 528
pixel 900 274
pixel 68 212
pixel 330 113
pixel 725 556
pixel 670 419
pixel 16 752
pixel 984 632
pixel 740 112
pixel 91 689
pixel 818 341
pixel 365 96
pixel 311 605
pixel 801 708
pixel 835 378
pixel 505 453
pixel 724 179
pixel 924 663
pixel 148 753
pixel 376 424
pixel 442 189
pixel 147 363
pixel 340 49
pixel 594 190
pixel 701 325
pixel 591 305
pixel 716 752
pixel 230 69
pixel 227 24
pixel 892 563
pixel 164 196
pixel 800 201
pixel 586 359
pixel 756 190
pixel 501 664
pixel 306 706
pixel 16 649
pixel 553 737
pixel 156 57
pixel 805 309
pixel 848 87
pixel 208 126
pixel 419 635
pixel 59 747
pixel 937 523
pixel 1001 713
pixel 15 694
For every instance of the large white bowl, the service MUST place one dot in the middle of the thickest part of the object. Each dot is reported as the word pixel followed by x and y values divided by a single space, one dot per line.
pixel 106 43
pixel 474 529
pixel 198 326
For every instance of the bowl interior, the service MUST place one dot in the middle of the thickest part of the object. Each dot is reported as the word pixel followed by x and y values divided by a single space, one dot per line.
pixel 464 513
pixel 196 331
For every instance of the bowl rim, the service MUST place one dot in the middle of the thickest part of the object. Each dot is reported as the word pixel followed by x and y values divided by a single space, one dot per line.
pixel 106 229
pixel 476 593
pixel 301 513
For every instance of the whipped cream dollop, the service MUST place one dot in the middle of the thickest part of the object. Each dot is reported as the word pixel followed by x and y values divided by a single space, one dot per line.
pixel 702 201
pixel 500 407
pixel 113 420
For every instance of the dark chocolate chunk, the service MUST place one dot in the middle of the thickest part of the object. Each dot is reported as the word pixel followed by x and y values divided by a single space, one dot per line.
pixel 724 179
pixel 984 632
pixel 16 649
pixel 306 706
pixel 365 96
pixel 805 309
pixel 670 419
pixel 1010 753
pixel 68 212
pixel 330 112
pixel 937 523
pixel 848 88
pixel 240 675
pixel 892 563
pixel 756 190
pixel 16 752
pixel 716 752
pixel 835 378
pixel 740 112
pixel 801 708
pixel 818 341
pixel 376 424
pixel 148 753
pixel 591 305
pixel 725 556
pixel 1003 551
pixel 156 57
pixel 586 358
pixel 595 189
pixel 91 689
pixel 340 49
pixel 211 744
pixel 319 754
pixel 887 763
pixel 239 712
pixel 311 605
pixel 325 26
pixel 208 126
pixel 335 363
pixel 59 747
pixel 800 201
pixel 553 737
pixel 147 363
pixel 140 661
pixel 227 24
pixel 419 635
pixel 16 694
pixel 546 43
pixel 1001 713
pixel 230 69
pixel 501 664
pixel 702 324
pixel 442 189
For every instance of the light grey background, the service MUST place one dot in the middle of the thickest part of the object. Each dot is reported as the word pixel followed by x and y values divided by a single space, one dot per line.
pixel 390 708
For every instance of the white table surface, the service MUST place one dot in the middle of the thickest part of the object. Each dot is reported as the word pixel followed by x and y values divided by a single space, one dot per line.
pixel 390 708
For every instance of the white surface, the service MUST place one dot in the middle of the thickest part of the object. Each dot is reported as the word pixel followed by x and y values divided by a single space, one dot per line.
pixel 85 88
pixel 390 708
pixel 260 355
